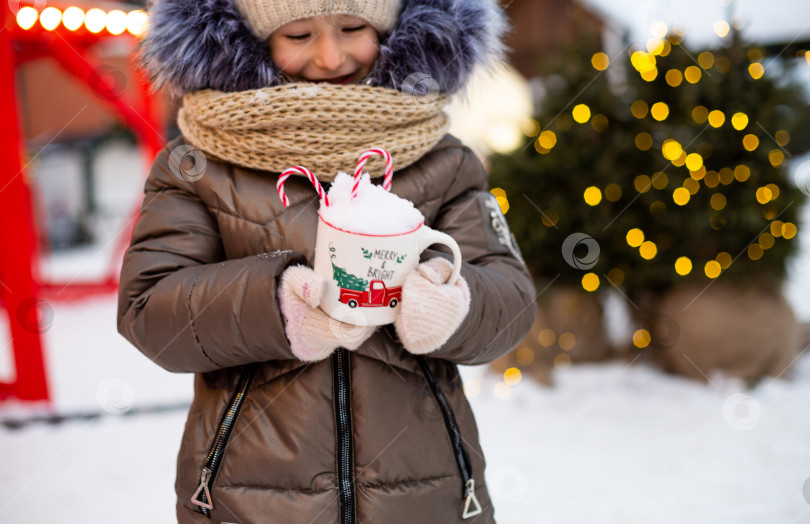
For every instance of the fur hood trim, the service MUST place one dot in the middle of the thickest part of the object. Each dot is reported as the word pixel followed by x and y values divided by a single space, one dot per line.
pixel 206 44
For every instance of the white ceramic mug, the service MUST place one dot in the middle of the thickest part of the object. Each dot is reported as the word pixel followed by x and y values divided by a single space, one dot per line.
pixel 364 273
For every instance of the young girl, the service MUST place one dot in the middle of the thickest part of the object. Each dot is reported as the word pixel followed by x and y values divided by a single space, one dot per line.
pixel 297 417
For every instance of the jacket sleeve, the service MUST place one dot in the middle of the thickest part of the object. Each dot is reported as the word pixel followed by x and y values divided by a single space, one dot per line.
pixel 502 305
pixel 180 302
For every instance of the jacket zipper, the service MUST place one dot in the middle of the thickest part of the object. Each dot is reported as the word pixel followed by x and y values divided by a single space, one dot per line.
pixel 202 497
pixel 471 505
pixel 342 386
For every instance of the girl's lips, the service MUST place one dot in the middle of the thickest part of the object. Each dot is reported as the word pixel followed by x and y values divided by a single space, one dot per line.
pixel 339 80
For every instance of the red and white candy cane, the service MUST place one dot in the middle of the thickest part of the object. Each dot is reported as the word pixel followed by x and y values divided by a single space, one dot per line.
pixel 303 171
pixel 389 168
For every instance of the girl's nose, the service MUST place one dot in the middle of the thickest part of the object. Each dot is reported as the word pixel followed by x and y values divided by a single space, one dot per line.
pixel 329 54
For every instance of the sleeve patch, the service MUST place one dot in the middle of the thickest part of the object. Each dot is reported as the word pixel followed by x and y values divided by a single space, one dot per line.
pixel 498 234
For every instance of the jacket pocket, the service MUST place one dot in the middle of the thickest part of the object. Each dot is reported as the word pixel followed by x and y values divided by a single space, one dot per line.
pixel 471 506
pixel 202 496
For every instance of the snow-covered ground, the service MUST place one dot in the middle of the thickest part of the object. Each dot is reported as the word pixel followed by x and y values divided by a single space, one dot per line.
pixel 610 443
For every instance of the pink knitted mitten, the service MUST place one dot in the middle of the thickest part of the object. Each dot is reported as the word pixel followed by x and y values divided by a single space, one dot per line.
pixel 313 334
pixel 431 310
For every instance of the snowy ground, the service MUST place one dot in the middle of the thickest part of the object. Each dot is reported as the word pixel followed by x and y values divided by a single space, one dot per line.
pixel 609 443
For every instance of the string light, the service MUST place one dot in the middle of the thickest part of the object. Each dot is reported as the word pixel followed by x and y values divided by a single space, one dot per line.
pixel 95 20
pixel 27 17
pixel 73 18
pixel 50 18
pixel 116 22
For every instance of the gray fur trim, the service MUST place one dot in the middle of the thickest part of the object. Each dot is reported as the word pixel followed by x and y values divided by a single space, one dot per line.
pixel 205 44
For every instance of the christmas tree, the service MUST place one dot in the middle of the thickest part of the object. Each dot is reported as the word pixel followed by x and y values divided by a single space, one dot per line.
pixel 348 281
pixel 664 167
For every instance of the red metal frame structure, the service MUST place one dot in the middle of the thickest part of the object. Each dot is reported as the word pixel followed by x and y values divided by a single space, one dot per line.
pixel 20 287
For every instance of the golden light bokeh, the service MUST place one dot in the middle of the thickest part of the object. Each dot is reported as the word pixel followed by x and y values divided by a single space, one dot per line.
pixel 660 180
pixel 700 114
pixel 600 61
pixel 694 161
pixel 635 237
pixel 648 250
pixel 742 172
pixel 674 77
pixel 592 196
pixel 718 201
pixel 766 240
pixel 755 251
pixel 789 230
pixel 512 376
pixel 750 142
pixel 581 113
pixel 782 137
pixel 659 111
pixel 776 157
pixel 530 127
pixel 641 338
pixel 671 149
pixel 547 337
pixel 683 266
pixel 681 196
pixel 567 341
pixel 692 74
pixel 590 283
pixel 642 183
pixel 562 361
pixel 739 121
pixel 712 269
pixel 706 60
pixel 547 139
pixel 644 141
pixel 724 259
pixel 639 108
pixel 613 192
pixel 756 70
pixel 716 118
pixel 764 195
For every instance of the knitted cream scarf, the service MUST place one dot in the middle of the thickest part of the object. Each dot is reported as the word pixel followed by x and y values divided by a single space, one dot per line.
pixel 322 127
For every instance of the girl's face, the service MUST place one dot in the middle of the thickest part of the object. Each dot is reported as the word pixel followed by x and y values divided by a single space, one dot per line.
pixel 337 49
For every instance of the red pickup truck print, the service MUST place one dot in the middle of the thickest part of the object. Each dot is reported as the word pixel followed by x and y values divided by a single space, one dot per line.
pixel 377 296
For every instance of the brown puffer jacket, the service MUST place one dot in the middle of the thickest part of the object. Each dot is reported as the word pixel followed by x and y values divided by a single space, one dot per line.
pixel 375 435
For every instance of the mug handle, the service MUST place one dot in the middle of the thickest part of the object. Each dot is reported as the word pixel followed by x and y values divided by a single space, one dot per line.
pixel 431 236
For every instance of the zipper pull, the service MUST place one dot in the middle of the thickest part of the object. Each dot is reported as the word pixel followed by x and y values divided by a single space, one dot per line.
pixel 471 498
pixel 203 488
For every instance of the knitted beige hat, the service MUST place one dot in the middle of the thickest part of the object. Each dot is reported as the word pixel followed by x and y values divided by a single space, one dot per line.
pixel 265 16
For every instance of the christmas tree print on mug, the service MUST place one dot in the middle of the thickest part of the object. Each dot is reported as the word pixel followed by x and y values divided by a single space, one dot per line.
pixel 368 241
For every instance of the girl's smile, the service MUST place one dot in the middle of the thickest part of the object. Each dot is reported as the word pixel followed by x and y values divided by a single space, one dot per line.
pixel 337 49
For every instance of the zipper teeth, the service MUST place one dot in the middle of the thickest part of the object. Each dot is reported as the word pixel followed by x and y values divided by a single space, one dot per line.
pixel 342 398
pixel 450 421
pixel 214 458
